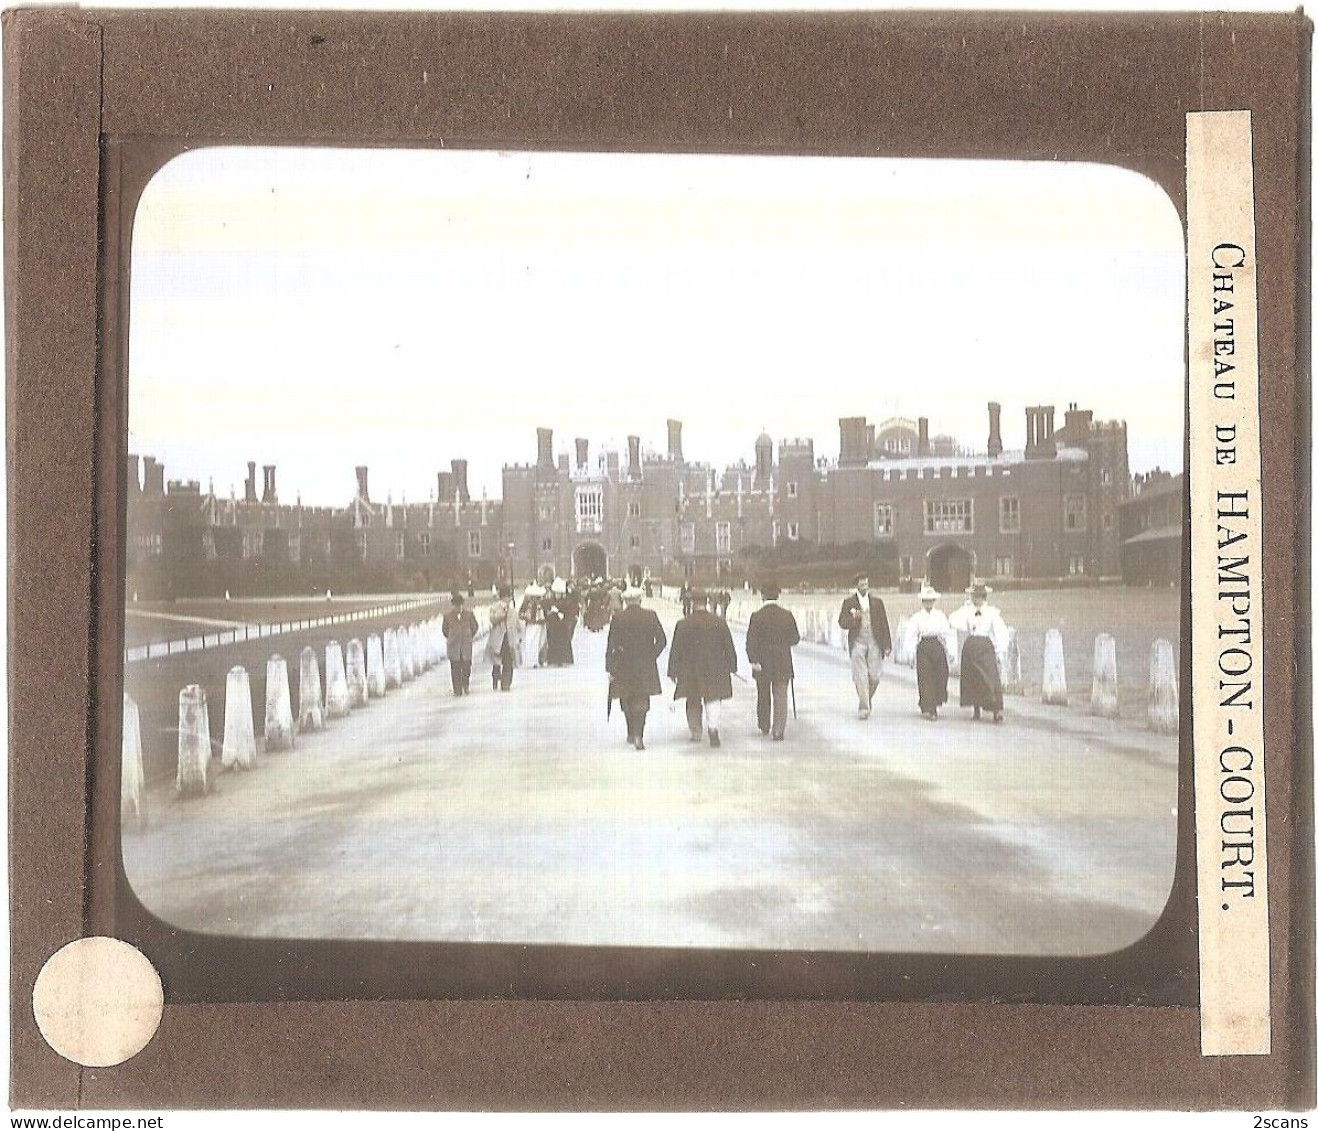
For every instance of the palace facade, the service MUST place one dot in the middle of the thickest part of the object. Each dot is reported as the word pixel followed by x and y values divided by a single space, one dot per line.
pixel 1044 511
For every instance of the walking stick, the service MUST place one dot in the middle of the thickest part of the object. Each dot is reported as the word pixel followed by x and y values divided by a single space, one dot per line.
pixel 793 683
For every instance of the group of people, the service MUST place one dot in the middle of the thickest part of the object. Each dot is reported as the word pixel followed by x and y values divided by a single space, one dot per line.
pixel 702 659
pixel 716 600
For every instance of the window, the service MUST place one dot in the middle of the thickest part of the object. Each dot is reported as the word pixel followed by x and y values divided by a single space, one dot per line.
pixel 1107 476
pixel 361 546
pixel 544 512
pixel 208 545
pixel 793 531
pixel 633 510
pixel 949 516
pixel 882 520
pixel 688 537
pixel 295 547
pixel 636 541
pixel 1002 565
pixel 1074 513
pixel 253 543
pixel 425 545
pixel 1107 520
pixel 906 565
pixel 1075 565
pixel 792 489
pixel 688 570
pixel 148 545
pixel 400 546
pixel 590 510
pixel 547 545
pixel 723 537
pixel 1009 515
pixel 473 543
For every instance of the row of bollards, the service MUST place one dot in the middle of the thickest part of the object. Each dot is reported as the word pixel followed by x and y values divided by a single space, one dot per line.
pixel 388 661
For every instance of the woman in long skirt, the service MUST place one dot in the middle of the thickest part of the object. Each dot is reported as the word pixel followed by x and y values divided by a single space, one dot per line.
pixel 929 637
pixel 986 635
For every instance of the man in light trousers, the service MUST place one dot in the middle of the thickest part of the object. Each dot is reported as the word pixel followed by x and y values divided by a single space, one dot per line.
pixel 869 640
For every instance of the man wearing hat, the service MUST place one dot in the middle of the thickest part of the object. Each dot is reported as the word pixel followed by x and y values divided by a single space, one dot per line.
pixel 986 636
pixel 701 662
pixel 929 637
pixel 503 647
pixel 869 640
pixel 771 633
pixel 459 627
pixel 636 638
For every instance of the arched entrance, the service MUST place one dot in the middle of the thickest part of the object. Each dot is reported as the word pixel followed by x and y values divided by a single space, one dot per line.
pixel 950 568
pixel 590 560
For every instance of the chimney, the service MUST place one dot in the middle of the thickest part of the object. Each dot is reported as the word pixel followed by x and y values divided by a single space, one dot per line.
pixel 1046 439
pixel 562 462
pixel 544 448
pixel 268 495
pixel 249 492
pixel 995 429
pixel 444 487
pixel 153 476
pixel 853 431
pixel 133 471
pixel 460 479
pixel 611 465
pixel 583 453
pixel 869 441
pixel 362 492
pixel 634 457
pixel 922 445
pixel 675 440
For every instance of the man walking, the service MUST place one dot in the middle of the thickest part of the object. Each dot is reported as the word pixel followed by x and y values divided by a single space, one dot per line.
pixel 502 647
pixel 701 661
pixel 459 627
pixel 771 633
pixel 868 640
pixel 636 638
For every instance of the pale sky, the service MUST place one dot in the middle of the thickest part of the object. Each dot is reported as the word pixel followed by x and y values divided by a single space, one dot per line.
pixel 319 309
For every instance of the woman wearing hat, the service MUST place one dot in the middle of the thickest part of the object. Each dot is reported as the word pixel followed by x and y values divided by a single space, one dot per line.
pixel 929 636
pixel 533 625
pixel 986 636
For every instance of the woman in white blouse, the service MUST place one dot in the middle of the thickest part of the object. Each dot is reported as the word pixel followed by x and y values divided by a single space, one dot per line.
pixel 986 636
pixel 929 637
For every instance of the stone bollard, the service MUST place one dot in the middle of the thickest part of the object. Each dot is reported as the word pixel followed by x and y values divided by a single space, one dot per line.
pixel 1164 698
pixel 132 774
pixel 393 667
pixel 338 702
pixel 1009 665
pixel 406 661
pixel 1103 698
pixel 899 642
pixel 420 662
pixel 194 742
pixel 310 713
pixel 441 643
pixel 1054 669
pixel 376 680
pixel 278 706
pixel 356 675
pixel 239 751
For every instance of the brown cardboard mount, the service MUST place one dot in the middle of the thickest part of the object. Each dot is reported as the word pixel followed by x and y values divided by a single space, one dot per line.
pixel 97 101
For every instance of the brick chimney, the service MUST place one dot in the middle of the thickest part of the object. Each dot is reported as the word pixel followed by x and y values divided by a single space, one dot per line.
pixel 995 429
pixel 153 476
pixel 583 453
pixel 363 491
pixel 444 487
pixel 634 457
pixel 922 444
pixel 268 495
pixel 460 479
pixel 133 472
pixel 675 440
pixel 249 485
pixel 852 441
pixel 544 449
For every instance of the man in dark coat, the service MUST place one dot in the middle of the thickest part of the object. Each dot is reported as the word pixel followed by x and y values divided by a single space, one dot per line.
pixel 459 626
pixel 771 634
pixel 636 638
pixel 701 661
pixel 869 640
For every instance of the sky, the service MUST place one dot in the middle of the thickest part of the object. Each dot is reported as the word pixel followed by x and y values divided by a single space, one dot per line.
pixel 319 309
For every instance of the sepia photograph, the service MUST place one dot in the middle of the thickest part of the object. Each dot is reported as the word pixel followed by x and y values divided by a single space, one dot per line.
pixel 685 551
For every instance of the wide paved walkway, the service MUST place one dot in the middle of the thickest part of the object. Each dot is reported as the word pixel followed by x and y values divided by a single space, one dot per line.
pixel 525 817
